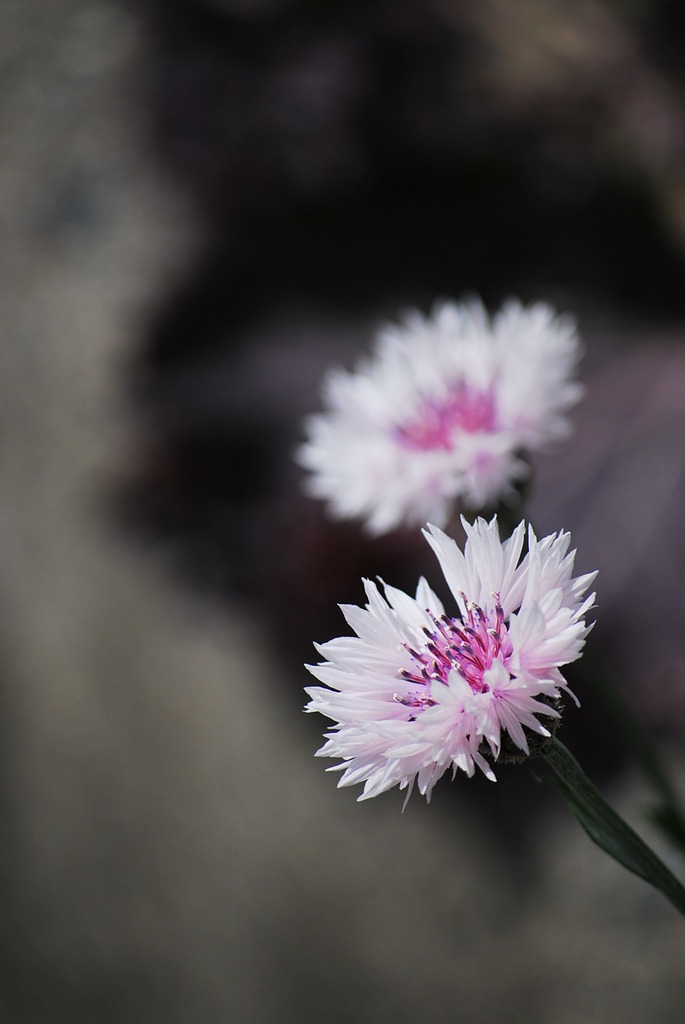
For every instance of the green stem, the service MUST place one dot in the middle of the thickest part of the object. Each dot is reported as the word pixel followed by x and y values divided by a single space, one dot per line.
pixel 668 813
pixel 607 828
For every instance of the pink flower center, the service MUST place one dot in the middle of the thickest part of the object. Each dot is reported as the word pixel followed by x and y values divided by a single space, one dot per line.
pixel 468 648
pixel 438 422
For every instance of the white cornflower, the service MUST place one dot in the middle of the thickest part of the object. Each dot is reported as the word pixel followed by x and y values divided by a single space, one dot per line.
pixel 441 413
pixel 418 691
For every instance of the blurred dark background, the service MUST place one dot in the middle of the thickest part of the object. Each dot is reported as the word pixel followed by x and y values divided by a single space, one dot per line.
pixel 204 204
pixel 346 161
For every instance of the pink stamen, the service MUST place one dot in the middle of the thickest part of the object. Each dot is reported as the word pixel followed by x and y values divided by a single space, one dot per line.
pixel 464 410
pixel 468 647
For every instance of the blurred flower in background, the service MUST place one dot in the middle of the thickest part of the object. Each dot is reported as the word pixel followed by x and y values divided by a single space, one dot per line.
pixel 442 413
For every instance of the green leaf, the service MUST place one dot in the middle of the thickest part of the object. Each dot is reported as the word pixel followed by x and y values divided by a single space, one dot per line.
pixel 607 828
pixel 668 814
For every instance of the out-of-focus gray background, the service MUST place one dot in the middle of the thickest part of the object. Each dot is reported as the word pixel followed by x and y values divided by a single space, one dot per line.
pixel 202 204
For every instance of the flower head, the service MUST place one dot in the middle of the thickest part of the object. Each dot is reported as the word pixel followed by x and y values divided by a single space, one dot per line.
pixel 441 413
pixel 419 690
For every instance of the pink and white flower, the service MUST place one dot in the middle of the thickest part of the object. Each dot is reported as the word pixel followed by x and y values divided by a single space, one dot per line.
pixel 418 690
pixel 441 413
